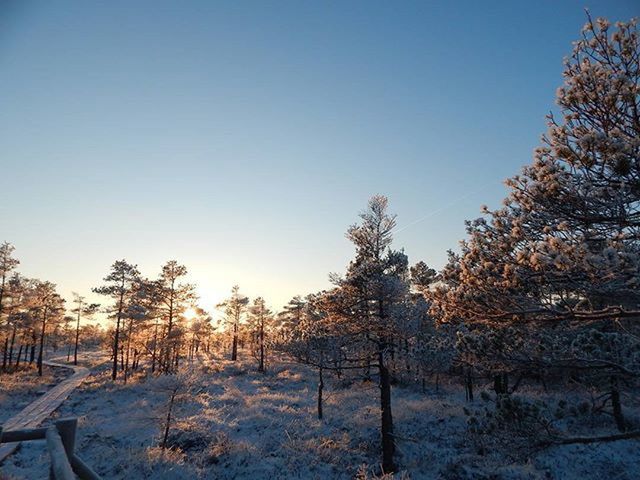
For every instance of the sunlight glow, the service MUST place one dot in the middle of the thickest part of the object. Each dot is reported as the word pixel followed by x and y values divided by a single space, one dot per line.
pixel 190 313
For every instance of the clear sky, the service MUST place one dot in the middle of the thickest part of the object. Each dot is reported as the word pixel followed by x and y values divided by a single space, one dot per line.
pixel 242 138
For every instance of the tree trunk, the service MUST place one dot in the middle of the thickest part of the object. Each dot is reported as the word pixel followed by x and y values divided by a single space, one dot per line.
pixel 261 366
pixel 234 347
pixel 4 353
pixel 167 425
pixel 501 383
pixel 367 372
pixel 320 389
pixel 407 358
pixel 155 344
pixel 169 347
pixel 75 348
pixel 18 357
pixel 126 363
pixel 40 353
pixel 116 336
pixel 469 387
pixel 618 416
pixel 388 445
pixel 12 344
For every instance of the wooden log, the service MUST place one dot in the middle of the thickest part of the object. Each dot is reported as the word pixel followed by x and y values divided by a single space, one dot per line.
pixel 586 440
pixel 23 435
pixel 60 466
pixel 84 471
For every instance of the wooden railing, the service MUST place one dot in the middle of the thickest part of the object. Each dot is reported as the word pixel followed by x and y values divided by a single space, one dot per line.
pixel 60 439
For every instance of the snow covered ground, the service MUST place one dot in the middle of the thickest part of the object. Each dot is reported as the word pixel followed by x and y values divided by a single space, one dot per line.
pixel 233 422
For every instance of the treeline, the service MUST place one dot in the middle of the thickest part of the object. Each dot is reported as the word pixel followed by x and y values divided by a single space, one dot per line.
pixel 154 321
pixel 149 319
pixel 544 290
pixel 32 313
pixel 160 322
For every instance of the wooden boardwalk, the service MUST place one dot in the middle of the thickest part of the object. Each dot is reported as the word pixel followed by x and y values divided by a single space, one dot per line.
pixel 40 409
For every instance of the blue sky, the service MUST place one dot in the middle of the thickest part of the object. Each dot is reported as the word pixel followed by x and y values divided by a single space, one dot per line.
pixel 242 138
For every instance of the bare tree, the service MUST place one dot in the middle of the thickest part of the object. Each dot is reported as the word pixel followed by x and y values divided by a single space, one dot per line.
pixel 81 309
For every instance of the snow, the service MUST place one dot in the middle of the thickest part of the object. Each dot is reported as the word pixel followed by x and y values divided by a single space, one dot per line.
pixel 235 422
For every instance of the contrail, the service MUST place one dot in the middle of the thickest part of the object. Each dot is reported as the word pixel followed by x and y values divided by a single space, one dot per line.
pixel 442 208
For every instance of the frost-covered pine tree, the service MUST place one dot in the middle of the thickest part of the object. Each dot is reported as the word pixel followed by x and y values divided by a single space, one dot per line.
pixel 315 340
pixel 174 297
pixel 289 317
pixel 20 319
pixel 564 250
pixel 82 310
pixel 49 306
pixel 7 265
pixel 259 320
pixel 368 303
pixel 119 285
pixel 565 244
pixel 234 309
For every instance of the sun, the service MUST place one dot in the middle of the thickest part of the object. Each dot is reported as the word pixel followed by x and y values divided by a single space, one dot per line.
pixel 190 313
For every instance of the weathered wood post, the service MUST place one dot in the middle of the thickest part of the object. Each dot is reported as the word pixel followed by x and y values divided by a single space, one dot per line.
pixel 67 429
pixel 60 466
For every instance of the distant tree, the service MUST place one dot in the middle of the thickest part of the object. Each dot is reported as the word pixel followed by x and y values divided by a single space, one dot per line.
pixel 16 310
pixel 234 308
pixel 260 318
pixel 290 316
pixel 313 340
pixel 422 276
pixel 200 329
pixel 120 283
pixel 67 335
pixel 7 265
pixel 49 306
pixel 81 309
pixel 149 298
pixel 175 297
pixel 135 316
